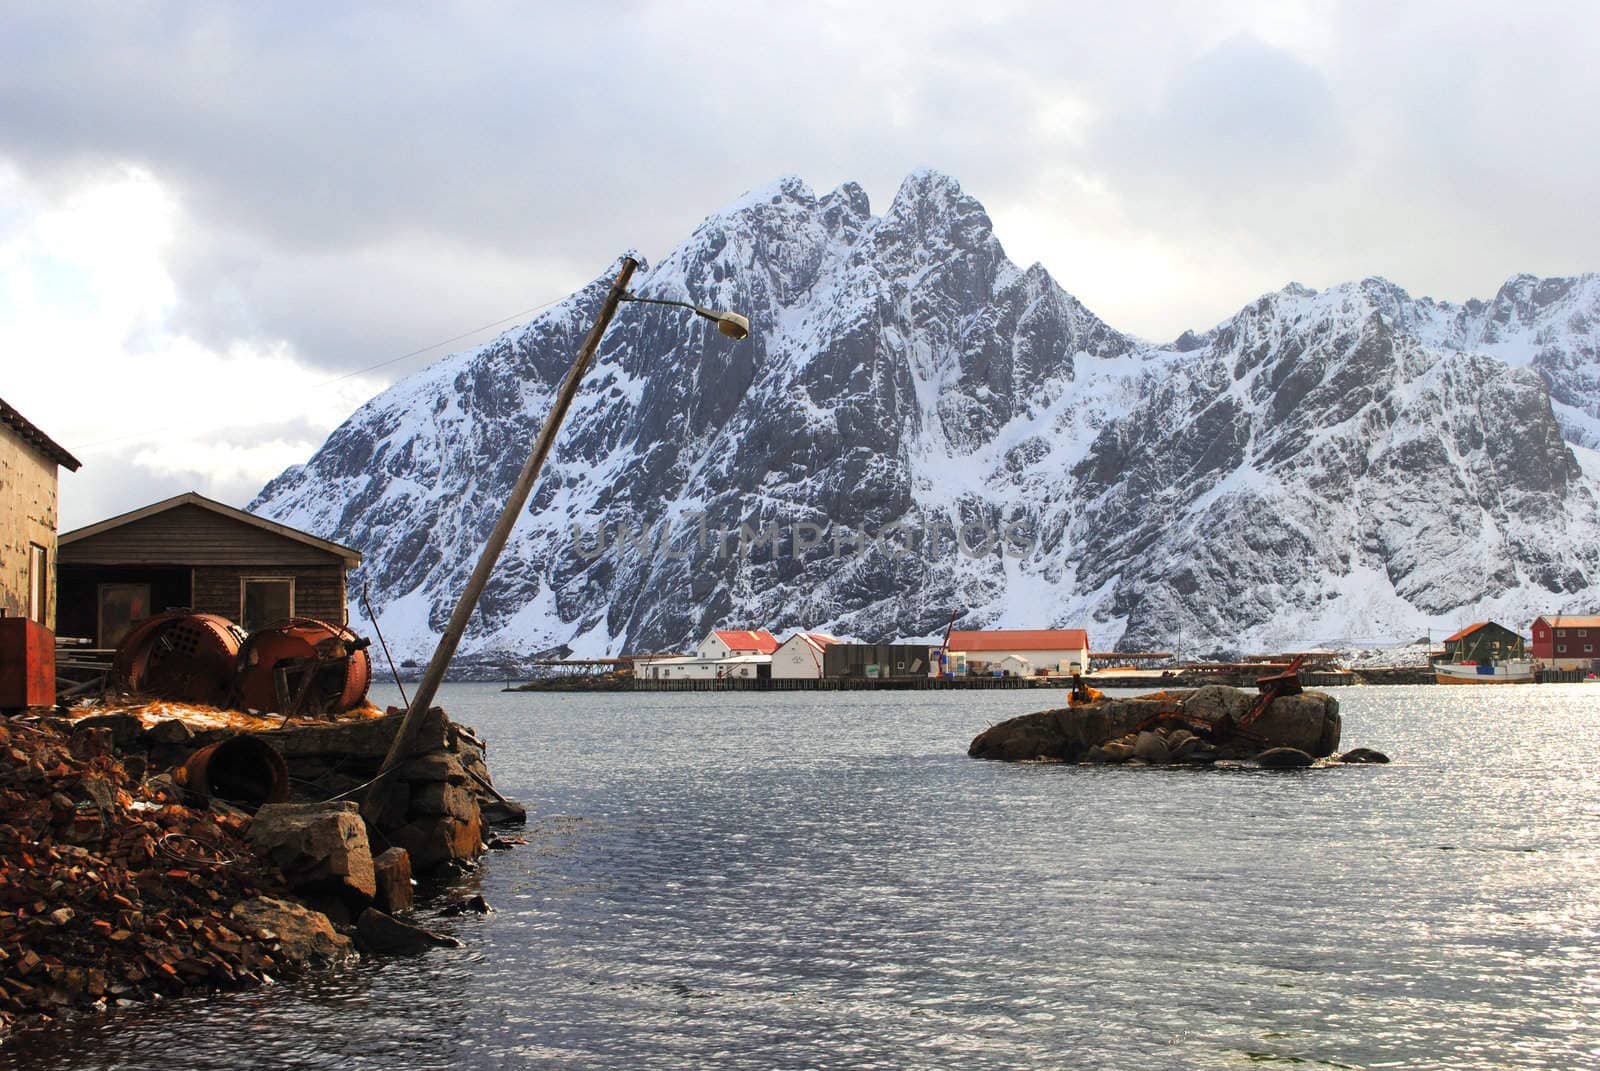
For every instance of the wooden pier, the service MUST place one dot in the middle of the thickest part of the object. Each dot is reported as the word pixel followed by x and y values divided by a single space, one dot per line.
pixel 843 684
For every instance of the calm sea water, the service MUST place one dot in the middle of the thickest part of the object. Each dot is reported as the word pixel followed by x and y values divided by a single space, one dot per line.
pixel 827 881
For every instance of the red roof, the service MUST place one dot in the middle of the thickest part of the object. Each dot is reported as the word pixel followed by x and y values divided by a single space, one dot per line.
pixel 758 640
pixel 1469 630
pixel 1565 621
pixel 1020 639
pixel 817 640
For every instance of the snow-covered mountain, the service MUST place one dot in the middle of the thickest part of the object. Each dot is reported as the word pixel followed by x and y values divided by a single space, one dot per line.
pixel 917 427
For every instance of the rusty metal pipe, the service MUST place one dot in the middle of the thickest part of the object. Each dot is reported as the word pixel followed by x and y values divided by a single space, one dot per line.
pixel 240 769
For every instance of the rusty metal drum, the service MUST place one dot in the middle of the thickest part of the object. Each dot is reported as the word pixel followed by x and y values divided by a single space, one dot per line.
pixel 241 769
pixel 180 656
pixel 303 666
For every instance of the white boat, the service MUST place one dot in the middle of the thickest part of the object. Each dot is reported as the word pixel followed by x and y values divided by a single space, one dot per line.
pixel 1508 672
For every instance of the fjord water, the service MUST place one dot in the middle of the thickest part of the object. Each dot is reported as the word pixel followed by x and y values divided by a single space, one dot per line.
pixel 825 880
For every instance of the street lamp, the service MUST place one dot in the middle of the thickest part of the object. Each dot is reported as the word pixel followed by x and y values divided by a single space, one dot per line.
pixel 729 323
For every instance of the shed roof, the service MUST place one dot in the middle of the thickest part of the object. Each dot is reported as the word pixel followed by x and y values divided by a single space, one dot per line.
pixel 1019 639
pixel 351 556
pixel 817 641
pixel 1474 628
pixel 30 434
pixel 1469 630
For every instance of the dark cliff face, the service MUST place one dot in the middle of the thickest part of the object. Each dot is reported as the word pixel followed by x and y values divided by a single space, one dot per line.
pixel 916 426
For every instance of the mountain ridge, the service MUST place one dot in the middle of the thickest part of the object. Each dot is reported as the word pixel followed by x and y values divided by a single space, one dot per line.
pixel 903 375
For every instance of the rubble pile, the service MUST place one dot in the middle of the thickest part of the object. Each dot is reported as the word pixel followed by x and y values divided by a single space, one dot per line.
pixel 112 889
pixel 149 848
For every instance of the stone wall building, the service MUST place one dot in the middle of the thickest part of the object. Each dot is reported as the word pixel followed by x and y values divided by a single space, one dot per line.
pixel 29 504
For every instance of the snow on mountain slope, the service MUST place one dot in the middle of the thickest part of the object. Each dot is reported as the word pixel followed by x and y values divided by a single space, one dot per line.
pixel 917 426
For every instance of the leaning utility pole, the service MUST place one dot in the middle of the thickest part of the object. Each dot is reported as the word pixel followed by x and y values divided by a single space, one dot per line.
pixel 445 651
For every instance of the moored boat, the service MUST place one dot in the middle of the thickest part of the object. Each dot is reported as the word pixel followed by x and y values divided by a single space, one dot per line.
pixel 1506 672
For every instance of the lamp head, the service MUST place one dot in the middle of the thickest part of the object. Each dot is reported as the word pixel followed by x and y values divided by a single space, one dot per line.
pixel 733 325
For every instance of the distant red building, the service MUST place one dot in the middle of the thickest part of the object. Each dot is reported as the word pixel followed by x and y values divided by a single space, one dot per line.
pixel 1567 642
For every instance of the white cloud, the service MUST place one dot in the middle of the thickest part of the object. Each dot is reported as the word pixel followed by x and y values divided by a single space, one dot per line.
pixel 195 201
pixel 86 303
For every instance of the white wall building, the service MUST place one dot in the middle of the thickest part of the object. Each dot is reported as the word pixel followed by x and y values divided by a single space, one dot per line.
pixel 726 643
pixel 723 653
pixel 688 667
pixel 1054 650
pixel 1016 665
pixel 800 656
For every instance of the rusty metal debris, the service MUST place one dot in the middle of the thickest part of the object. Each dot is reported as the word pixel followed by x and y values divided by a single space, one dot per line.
pixel 301 666
pixel 240 769
pixel 187 657
pixel 1286 682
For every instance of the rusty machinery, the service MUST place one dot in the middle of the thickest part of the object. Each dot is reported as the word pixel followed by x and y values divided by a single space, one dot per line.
pixel 181 656
pixel 303 666
pixel 298 666
pixel 1270 687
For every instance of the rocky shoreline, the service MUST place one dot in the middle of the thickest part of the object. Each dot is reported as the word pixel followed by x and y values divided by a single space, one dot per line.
pixel 122 879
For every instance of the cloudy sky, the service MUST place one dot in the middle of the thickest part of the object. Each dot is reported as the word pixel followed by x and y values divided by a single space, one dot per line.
pixel 214 217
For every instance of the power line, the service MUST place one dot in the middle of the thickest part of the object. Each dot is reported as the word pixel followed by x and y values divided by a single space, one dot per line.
pixel 147 432
pixel 436 345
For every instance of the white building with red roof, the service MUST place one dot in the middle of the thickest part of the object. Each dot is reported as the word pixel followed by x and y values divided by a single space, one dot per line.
pixel 1052 650
pixel 800 656
pixel 730 643
pixel 723 654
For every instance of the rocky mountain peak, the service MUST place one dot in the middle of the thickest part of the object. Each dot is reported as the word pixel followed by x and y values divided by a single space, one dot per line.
pixel 917 427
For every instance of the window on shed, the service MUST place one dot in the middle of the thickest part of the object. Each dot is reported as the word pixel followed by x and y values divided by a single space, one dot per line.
pixel 1561 648
pixel 121 605
pixel 38 582
pixel 264 600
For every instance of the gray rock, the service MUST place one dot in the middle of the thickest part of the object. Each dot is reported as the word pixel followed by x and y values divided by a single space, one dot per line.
pixel 1283 758
pixel 318 846
pixel 502 812
pixel 171 731
pixel 1185 746
pixel 301 934
pixel 125 728
pixel 1363 755
pixel 433 766
pixel 1308 722
pixel 396 889
pixel 1152 749
pixel 435 841
pixel 379 932
pixel 442 797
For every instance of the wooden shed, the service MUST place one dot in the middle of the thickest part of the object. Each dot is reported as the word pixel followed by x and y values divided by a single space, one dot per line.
pixel 191 552
pixel 1484 641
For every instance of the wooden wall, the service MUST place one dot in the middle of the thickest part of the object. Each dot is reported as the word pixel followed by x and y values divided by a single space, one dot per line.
pixel 27 515
pixel 318 589
pixel 218 551
pixel 190 535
